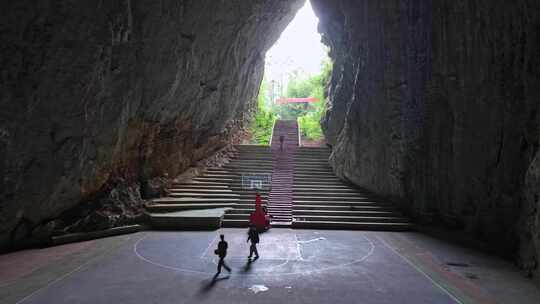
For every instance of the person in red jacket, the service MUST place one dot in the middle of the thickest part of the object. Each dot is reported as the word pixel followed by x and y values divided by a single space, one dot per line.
pixel 259 218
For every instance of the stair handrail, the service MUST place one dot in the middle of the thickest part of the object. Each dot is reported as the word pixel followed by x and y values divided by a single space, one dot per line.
pixel 299 133
pixel 272 134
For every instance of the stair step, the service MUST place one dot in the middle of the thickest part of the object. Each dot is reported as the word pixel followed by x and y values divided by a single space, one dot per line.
pixel 201 183
pixel 344 208
pixel 314 181
pixel 281 224
pixel 239 210
pixel 331 190
pixel 180 207
pixel 207 179
pixel 243 162
pixel 248 197
pixel 212 174
pixel 201 190
pixel 322 187
pixel 202 195
pixel 234 222
pixel 248 205
pixel 279 212
pixel 317 172
pixel 239 184
pixel 318 175
pixel 322 177
pixel 201 186
pixel 189 200
pixel 367 202
pixel 252 161
pixel 254 170
pixel 221 171
pixel 359 195
pixel 331 198
pixel 253 166
pixel 316 159
pixel 344 212
pixel 241 216
pixel 245 146
pixel 321 155
pixel 352 225
pixel 349 218
pixel 251 199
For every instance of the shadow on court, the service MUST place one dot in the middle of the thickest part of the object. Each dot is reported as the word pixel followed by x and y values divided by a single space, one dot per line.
pixel 247 266
pixel 207 286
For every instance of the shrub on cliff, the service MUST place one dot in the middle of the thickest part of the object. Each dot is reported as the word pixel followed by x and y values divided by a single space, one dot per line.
pixel 263 120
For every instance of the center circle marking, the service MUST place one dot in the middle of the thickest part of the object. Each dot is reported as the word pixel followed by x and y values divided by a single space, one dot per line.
pixel 262 272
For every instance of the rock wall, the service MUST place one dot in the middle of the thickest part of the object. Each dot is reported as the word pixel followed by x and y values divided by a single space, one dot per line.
pixel 435 104
pixel 95 91
pixel 529 224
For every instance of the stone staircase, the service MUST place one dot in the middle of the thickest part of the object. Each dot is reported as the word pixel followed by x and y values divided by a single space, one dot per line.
pixel 176 211
pixel 302 192
pixel 250 160
pixel 280 197
pixel 322 201
pixel 218 193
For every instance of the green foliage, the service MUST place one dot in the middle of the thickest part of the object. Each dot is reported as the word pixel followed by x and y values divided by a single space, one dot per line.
pixel 310 126
pixel 292 111
pixel 301 88
pixel 263 121
pixel 309 116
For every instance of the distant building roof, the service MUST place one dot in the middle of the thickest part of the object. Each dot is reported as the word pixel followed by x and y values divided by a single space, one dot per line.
pixel 296 100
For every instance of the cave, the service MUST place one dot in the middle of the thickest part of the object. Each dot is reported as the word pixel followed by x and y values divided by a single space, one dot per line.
pixel 431 105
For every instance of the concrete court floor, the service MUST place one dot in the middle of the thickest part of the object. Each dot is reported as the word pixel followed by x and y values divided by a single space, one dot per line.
pixel 296 266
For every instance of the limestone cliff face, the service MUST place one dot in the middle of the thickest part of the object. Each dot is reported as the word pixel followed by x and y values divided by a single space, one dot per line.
pixel 435 103
pixel 98 90
pixel 529 224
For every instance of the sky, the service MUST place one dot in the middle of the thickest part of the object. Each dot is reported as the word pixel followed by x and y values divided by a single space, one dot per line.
pixel 299 47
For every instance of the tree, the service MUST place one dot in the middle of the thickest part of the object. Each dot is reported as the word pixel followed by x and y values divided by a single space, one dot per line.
pixel 308 116
pixel 263 120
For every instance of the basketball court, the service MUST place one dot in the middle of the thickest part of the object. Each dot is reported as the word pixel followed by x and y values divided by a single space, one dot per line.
pixel 296 266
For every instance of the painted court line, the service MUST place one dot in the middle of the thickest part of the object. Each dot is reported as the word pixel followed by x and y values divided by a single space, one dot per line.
pixel 311 240
pixel 446 291
pixel 141 257
pixel 62 277
pixel 136 252
pixel 209 245
pixel 298 249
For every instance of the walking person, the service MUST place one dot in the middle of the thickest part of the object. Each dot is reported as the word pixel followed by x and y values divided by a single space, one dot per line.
pixel 253 236
pixel 221 251
pixel 281 140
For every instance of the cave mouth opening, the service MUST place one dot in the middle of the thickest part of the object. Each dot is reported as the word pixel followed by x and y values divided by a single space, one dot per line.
pixel 297 68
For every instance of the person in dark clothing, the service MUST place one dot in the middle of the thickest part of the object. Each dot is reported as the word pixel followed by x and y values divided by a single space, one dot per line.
pixel 221 251
pixel 253 236
pixel 281 140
